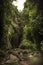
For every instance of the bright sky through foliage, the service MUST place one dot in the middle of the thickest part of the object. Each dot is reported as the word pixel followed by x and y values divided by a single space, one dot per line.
pixel 19 4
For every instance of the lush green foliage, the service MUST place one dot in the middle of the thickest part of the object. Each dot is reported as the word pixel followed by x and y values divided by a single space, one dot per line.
pixel 33 22
pixel 25 29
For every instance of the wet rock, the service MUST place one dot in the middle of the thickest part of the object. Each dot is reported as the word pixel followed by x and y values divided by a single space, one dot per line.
pixel 12 59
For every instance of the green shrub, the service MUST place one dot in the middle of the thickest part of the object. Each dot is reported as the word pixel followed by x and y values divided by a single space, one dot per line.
pixel 41 45
pixel 26 44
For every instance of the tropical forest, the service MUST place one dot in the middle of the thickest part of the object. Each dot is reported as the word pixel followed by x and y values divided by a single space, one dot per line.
pixel 21 32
